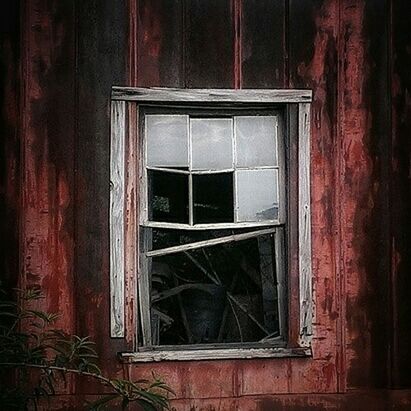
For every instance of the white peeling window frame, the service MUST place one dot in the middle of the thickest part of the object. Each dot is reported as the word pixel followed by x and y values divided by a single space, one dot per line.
pixel 126 189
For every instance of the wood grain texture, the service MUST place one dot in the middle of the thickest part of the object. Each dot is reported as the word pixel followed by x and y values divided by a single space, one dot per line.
pixel 364 182
pixel 10 103
pixel 282 280
pixel 47 156
pixel 158 94
pixel 47 153
pixel 208 44
pixel 131 226
pixel 263 44
pixel 313 56
pixel 117 218
pixel 209 243
pixel 215 354
pixel 304 223
pixel 360 193
pixel 101 61
pixel 400 202
pixel 159 43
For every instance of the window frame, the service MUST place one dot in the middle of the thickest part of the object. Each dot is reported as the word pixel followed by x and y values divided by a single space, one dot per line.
pixel 125 186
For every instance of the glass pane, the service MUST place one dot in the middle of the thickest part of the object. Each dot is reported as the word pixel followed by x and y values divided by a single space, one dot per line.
pixel 257 194
pixel 213 198
pixel 256 141
pixel 212 144
pixel 221 294
pixel 167 141
pixel 168 197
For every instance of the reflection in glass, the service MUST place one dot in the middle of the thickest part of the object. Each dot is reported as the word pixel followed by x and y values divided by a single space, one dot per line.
pixel 212 143
pixel 257 195
pixel 167 141
pixel 256 141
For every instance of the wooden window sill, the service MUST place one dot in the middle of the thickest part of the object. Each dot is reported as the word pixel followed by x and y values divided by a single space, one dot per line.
pixel 214 354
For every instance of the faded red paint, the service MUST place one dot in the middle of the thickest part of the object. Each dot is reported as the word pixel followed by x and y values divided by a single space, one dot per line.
pixel 329 46
pixel 47 188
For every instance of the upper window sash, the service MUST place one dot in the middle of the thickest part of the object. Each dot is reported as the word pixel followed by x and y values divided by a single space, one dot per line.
pixel 247 148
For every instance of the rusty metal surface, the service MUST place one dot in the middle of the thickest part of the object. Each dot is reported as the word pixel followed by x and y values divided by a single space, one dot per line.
pixel 355 55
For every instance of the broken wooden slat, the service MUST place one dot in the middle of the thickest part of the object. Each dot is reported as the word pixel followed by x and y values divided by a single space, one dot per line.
pixel 117 189
pixel 209 243
pixel 304 224
pixel 214 226
pixel 158 94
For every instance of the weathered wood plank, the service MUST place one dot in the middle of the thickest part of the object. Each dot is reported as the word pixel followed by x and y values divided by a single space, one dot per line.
pixel 131 225
pixel 263 44
pixel 144 289
pixel 209 243
pixel 281 277
pixel 215 354
pixel 363 189
pixel 208 44
pixel 117 223
pixel 216 226
pixel 159 43
pixel 10 173
pixel 102 49
pixel 400 201
pixel 47 248
pixel 158 94
pixel 313 63
pixel 304 224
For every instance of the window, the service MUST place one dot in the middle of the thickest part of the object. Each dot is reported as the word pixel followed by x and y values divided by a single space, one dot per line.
pixel 222 227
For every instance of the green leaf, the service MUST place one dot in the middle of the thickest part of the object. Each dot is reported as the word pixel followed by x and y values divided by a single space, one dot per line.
pixel 98 404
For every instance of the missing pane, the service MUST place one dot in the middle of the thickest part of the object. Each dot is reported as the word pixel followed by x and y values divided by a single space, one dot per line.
pixel 221 294
pixel 213 198
pixel 168 197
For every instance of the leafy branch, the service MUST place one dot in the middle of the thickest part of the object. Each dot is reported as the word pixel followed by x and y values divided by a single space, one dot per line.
pixel 34 357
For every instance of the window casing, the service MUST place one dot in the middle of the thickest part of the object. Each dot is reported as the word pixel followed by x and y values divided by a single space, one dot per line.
pixel 237 185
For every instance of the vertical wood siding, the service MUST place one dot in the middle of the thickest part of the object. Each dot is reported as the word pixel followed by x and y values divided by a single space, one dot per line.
pixel 10 143
pixel 353 54
pixel 400 206
pixel 102 50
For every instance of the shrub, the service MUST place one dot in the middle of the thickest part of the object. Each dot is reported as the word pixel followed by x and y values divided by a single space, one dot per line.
pixel 35 357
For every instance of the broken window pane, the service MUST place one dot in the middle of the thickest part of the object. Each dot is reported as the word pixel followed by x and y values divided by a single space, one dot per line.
pixel 212 143
pixel 256 141
pixel 257 195
pixel 221 294
pixel 168 197
pixel 213 198
pixel 167 141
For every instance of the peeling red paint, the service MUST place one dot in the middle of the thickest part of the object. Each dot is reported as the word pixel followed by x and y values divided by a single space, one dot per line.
pixel 330 46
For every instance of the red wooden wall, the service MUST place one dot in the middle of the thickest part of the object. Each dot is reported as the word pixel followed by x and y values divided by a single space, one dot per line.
pixel 59 61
